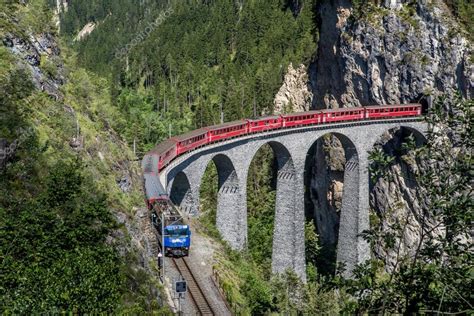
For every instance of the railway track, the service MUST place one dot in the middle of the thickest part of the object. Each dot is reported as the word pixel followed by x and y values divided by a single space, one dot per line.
pixel 194 289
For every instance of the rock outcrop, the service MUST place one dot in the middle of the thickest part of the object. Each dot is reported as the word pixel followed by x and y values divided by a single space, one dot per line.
pixel 86 30
pixel 41 54
pixel 395 53
pixel 295 94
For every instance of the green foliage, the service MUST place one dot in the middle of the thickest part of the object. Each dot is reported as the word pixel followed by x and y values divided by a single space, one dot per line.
pixel 437 275
pixel 249 292
pixel 204 57
pixel 53 246
pixel 464 11
pixel 16 87
pixel 208 200
pixel 379 163
pixel 366 9
pixel 56 250
pixel 34 16
pixel 144 124
pixel 261 207
pixel 312 250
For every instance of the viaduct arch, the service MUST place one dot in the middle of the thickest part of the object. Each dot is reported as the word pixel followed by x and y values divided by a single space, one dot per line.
pixel 182 179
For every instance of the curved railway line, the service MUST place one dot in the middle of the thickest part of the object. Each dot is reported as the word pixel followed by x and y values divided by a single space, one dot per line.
pixel 194 289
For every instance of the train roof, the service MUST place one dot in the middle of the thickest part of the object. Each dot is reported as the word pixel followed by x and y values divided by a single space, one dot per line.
pixel 150 163
pixel 271 117
pixel 301 113
pixel 343 109
pixel 391 105
pixel 153 187
pixel 163 147
pixel 223 125
pixel 176 226
pixel 188 135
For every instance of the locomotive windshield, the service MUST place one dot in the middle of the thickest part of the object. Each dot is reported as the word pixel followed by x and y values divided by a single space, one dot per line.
pixel 177 231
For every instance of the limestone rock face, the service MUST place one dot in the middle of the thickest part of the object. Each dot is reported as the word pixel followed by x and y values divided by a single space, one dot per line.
pixel 37 51
pixel 392 54
pixel 295 94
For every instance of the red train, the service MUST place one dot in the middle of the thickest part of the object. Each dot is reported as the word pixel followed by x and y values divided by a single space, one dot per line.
pixel 166 151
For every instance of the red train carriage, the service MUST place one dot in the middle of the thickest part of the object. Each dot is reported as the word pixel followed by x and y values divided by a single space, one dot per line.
pixel 226 130
pixel 302 118
pixel 190 140
pixel 387 111
pixel 264 124
pixel 345 114
pixel 165 152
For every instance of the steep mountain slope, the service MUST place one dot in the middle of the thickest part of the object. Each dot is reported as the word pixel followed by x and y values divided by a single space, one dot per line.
pixel 66 237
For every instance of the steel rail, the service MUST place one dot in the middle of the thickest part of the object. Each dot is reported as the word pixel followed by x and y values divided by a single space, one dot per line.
pixel 194 288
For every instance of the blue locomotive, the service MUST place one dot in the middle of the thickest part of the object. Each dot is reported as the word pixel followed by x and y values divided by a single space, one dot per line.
pixel 174 234
pixel 177 240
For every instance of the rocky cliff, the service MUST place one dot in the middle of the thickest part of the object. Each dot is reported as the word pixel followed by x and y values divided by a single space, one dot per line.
pixel 295 93
pixel 395 52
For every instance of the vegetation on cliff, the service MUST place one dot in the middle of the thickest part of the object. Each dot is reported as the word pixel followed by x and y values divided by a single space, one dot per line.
pixel 60 244
pixel 435 276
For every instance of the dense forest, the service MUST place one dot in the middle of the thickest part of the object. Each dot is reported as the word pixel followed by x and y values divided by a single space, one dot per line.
pixel 211 59
pixel 152 69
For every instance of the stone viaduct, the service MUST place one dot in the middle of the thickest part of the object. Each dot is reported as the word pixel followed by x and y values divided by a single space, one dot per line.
pixel 182 180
